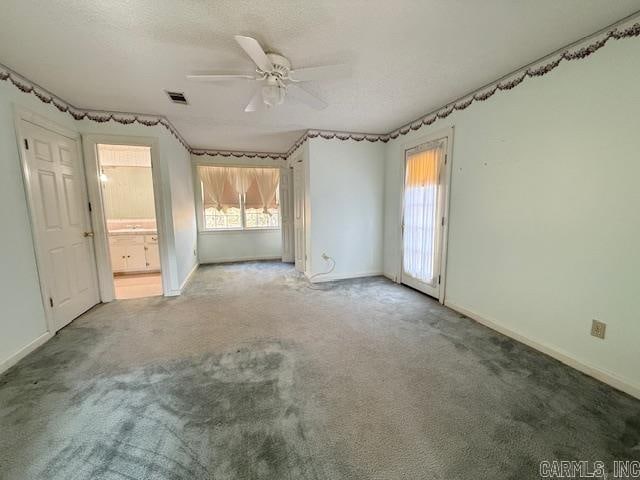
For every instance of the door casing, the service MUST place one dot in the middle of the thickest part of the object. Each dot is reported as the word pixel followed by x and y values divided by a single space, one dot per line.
pixel 446 185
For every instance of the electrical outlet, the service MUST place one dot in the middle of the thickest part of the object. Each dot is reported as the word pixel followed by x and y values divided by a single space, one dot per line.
pixel 598 329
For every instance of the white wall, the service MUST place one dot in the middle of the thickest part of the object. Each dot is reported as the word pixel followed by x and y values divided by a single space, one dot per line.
pixel 22 319
pixel 183 210
pixel 346 201
pixel 544 221
pixel 128 193
pixel 214 247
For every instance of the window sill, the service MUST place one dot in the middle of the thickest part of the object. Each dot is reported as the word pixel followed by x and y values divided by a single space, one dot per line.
pixel 238 230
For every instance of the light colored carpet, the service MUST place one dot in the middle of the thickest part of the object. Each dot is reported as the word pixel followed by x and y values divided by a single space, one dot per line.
pixel 252 375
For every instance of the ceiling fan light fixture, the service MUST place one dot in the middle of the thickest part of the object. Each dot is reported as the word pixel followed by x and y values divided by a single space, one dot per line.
pixel 274 72
pixel 273 95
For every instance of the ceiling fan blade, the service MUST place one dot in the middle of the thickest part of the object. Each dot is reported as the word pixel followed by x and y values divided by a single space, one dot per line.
pixel 255 51
pixel 256 102
pixel 300 94
pixel 213 77
pixel 319 73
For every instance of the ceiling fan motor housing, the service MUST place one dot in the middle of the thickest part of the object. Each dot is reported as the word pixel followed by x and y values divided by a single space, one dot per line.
pixel 281 65
pixel 274 72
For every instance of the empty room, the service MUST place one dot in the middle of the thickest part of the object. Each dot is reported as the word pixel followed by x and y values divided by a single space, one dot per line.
pixel 319 240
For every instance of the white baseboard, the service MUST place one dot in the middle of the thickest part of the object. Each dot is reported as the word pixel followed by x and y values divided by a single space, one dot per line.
pixel 598 373
pixel 188 278
pixel 391 277
pixel 214 261
pixel 344 276
pixel 24 351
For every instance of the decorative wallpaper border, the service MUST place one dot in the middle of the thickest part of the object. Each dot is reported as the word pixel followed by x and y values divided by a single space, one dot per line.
pixel 576 51
pixel 124 118
pixel 237 154
pixel 98 116
pixel 331 134
pixel 537 69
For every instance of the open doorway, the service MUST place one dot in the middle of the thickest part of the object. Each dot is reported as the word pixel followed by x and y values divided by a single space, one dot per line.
pixel 126 184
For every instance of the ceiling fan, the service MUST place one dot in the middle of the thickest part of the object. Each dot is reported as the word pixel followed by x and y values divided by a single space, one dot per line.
pixel 278 80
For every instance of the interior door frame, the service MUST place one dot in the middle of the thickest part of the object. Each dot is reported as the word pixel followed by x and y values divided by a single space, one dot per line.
pixel 21 114
pixel 101 239
pixel 446 184
pixel 286 178
pixel 298 162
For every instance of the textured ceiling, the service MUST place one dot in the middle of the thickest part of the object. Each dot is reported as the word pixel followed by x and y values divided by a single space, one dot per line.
pixel 408 56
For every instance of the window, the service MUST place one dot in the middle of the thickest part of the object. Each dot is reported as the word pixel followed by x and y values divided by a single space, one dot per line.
pixel 215 219
pixel 236 198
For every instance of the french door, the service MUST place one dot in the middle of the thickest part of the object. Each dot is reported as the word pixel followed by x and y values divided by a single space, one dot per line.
pixel 57 195
pixel 423 216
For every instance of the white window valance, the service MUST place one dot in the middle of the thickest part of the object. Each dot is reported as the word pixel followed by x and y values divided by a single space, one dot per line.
pixel 226 187
pixel 265 194
pixel 218 190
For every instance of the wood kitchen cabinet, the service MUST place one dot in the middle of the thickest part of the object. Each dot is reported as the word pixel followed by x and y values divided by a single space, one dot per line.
pixel 134 253
pixel 152 252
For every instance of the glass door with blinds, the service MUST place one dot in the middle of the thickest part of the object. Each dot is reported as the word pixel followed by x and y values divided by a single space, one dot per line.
pixel 423 216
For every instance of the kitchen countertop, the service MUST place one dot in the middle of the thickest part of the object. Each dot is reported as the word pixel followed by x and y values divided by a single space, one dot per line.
pixel 133 231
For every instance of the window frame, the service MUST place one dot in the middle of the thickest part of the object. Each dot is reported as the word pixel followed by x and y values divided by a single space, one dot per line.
pixel 200 211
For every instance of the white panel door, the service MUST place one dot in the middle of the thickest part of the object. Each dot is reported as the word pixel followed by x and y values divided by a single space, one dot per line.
pixel 286 214
pixel 423 217
pixel 298 215
pixel 58 199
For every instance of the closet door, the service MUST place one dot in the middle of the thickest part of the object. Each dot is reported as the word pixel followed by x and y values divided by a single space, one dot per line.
pixel 298 215
pixel 286 214
pixel 56 188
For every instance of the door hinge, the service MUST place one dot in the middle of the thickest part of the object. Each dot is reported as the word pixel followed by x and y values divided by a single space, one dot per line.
pixel 445 158
pixel 439 279
pixel 51 302
pixel 26 144
pixel 90 209
pixel 443 221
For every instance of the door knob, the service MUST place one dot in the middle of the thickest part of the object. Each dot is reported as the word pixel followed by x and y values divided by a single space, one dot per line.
pixel 88 234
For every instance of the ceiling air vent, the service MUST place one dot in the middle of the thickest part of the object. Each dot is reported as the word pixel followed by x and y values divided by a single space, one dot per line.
pixel 177 97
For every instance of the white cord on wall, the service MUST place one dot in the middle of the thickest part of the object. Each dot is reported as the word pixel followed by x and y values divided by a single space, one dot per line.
pixel 326 258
